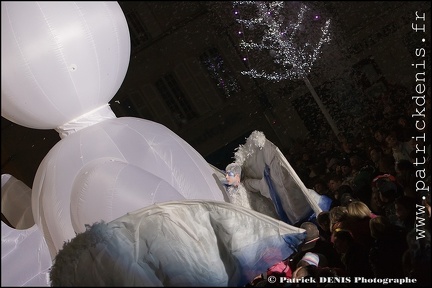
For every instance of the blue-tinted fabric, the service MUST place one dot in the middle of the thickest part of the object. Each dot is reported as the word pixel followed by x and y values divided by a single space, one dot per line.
pixel 275 196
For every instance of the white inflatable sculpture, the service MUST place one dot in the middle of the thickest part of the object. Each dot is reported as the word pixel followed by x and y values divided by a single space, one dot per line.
pixel 25 257
pixel 61 64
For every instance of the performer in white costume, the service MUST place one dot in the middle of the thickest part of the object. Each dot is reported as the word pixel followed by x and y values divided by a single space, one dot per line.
pixel 272 185
pixel 236 192
pixel 239 195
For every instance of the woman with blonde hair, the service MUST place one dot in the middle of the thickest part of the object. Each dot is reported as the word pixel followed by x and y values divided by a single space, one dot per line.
pixel 357 222
pixel 359 209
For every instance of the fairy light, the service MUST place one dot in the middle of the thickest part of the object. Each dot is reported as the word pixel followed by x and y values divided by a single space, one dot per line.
pixel 215 66
pixel 281 37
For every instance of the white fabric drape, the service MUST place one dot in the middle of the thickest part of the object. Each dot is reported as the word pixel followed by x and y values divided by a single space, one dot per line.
pixel 188 243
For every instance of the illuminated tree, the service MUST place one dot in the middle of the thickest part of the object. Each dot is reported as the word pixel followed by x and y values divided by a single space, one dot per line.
pixel 286 40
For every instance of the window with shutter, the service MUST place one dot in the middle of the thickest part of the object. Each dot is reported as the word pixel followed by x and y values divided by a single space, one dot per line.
pixel 175 99
pixel 138 32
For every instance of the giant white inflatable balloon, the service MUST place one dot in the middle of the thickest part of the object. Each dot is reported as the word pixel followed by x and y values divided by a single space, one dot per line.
pixel 60 60
pixel 61 64
pixel 25 257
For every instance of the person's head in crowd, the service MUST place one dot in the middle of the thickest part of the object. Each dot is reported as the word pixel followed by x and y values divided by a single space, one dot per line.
pixel 375 202
pixel 358 209
pixel 346 199
pixel 312 236
pixel 337 215
pixel 323 220
pixel 317 168
pixel 320 186
pixel 332 164
pixel 334 182
pixel 379 227
pixel 309 258
pixel 405 208
pixel 302 272
pixel 348 147
pixel 375 154
pixel 391 140
pixel 356 162
pixel 345 167
pixel 343 189
pixel 343 239
pixel 388 191
pixel 387 164
pixel 380 134
pixel 233 174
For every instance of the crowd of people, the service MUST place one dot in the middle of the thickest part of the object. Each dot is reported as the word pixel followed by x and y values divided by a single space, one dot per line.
pixel 378 225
